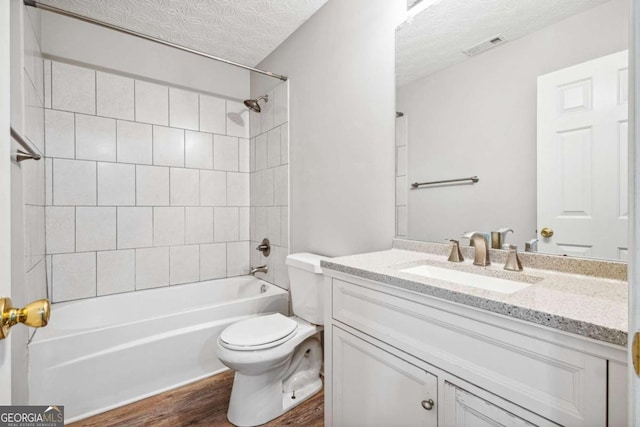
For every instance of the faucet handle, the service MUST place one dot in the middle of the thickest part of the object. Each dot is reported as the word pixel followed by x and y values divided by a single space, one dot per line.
pixel 455 255
pixel 498 237
pixel 531 245
pixel 513 261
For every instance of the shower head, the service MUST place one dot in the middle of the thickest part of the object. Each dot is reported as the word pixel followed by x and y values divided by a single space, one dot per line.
pixel 253 104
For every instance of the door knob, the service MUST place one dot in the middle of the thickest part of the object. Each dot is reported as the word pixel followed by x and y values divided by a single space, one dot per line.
pixel 35 314
pixel 546 232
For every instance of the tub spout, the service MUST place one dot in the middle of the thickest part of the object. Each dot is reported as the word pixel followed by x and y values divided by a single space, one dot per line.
pixel 259 269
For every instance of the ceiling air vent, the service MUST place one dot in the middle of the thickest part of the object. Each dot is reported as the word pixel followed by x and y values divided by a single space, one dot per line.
pixel 485 45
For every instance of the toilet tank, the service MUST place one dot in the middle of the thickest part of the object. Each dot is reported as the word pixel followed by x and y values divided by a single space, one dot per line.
pixel 306 284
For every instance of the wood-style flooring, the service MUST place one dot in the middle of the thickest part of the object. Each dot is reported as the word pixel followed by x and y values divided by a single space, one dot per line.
pixel 203 403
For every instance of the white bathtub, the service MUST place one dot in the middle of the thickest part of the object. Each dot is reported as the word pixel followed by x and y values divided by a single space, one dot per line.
pixel 101 353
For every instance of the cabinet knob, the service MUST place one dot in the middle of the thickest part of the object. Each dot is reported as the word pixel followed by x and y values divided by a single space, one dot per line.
pixel 428 404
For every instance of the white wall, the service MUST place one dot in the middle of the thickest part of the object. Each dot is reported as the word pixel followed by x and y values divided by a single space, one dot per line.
pixel 479 118
pixel 341 69
pixel 86 44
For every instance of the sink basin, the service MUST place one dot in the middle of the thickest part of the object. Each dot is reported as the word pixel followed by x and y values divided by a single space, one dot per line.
pixel 468 279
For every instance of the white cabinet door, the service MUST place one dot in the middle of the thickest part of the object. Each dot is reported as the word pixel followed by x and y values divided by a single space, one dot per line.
pixel 374 388
pixel 463 409
pixel 582 158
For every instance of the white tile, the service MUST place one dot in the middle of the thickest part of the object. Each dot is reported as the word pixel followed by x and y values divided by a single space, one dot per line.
pixel 225 153
pixel 238 189
pixel 61 229
pixel 261 223
pixel 213 114
pixel 183 109
pixel 213 188
pixel 255 258
pixel 152 103
pixel 199 225
pixel 115 96
pixel 261 152
pixel 152 268
pixel 116 272
pixel 59 133
pixel 273 148
pixel 401 221
pixel 254 122
pixel 401 161
pixel 213 261
pixel 152 186
pixel 198 150
pixel 252 223
pixel 116 184
pixel 401 191
pixel 168 146
pixel 225 224
pixel 135 227
pixel 244 155
pixel 244 223
pixel 47 83
pixel 73 88
pixel 184 264
pixel 95 229
pixel 280 269
pixel 263 188
pixel 281 186
pixel 273 225
pixel 49 268
pixel 237 258
pixel 284 144
pixel 237 119
pixel 266 116
pixel 74 276
pixel 95 138
pixel 185 187
pixel 252 154
pixel 36 282
pixel 74 182
pixel 280 104
pixel 134 142
pixel 168 226
pixel 284 227
pixel 48 167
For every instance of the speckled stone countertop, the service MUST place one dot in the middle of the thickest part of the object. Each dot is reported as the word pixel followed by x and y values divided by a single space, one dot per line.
pixel 594 307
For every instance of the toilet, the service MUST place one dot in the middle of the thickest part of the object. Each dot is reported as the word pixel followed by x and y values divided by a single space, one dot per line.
pixel 277 359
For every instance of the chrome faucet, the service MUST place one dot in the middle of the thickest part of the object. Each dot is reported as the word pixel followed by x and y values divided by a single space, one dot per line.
pixel 259 269
pixel 481 255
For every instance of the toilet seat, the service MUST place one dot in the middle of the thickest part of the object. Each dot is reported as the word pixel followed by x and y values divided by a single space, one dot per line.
pixel 259 333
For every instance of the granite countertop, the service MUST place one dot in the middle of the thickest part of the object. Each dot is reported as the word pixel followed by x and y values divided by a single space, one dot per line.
pixel 593 307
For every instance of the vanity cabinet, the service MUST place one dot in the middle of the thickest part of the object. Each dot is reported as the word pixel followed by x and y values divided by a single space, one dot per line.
pixel 395 357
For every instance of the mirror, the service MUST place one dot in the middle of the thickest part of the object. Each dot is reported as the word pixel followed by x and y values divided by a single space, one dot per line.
pixel 530 97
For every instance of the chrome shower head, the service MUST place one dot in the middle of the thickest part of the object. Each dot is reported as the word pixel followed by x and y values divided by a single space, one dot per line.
pixel 253 104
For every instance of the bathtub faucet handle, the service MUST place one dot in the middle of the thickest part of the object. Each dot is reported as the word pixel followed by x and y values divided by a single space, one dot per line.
pixel 264 247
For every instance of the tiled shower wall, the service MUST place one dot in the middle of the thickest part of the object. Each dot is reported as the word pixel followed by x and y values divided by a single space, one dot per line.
pixel 401 176
pixel 148 184
pixel 270 184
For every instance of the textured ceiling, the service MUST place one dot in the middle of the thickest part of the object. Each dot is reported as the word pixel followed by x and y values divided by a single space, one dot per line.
pixel 435 38
pixel 245 31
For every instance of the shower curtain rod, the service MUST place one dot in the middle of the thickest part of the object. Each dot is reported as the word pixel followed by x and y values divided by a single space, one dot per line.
pixel 38 5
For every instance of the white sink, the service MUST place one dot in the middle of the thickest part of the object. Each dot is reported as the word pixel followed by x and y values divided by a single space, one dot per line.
pixel 468 279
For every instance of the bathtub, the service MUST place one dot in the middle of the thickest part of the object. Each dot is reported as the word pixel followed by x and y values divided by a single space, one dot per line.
pixel 101 353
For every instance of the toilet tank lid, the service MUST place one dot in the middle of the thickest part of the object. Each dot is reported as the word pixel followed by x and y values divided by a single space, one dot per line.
pixel 306 261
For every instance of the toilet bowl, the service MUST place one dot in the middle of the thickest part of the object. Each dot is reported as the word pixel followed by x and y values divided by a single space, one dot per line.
pixel 277 359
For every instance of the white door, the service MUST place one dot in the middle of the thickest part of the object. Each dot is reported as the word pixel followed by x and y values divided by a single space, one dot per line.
pixel 582 159
pixel 5 196
pixel 374 388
